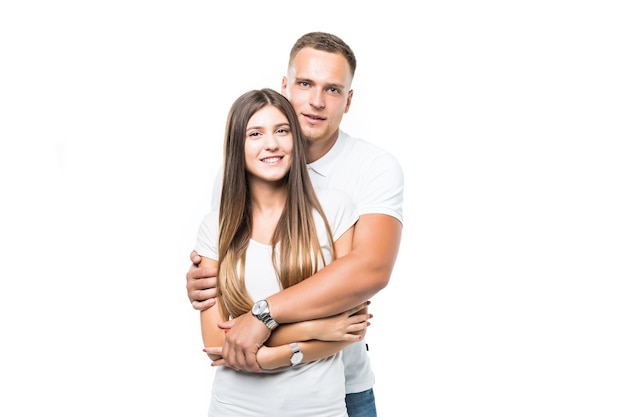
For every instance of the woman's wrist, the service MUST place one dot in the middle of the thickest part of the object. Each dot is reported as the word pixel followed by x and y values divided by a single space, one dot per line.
pixel 270 358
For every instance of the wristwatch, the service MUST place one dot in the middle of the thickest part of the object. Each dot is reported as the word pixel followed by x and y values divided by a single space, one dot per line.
pixel 261 311
pixel 296 356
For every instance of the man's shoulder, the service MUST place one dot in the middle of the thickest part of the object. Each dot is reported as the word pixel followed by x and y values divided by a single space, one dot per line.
pixel 362 149
pixel 353 141
pixel 332 196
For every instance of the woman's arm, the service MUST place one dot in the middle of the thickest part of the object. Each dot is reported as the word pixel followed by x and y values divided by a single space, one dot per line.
pixel 277 357
pixel 337 332
pixel 348 326
pixel 318 339
pixel 211 334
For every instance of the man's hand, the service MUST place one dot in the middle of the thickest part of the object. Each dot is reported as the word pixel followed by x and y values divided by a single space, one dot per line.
pixel 201 283
pixel 244 337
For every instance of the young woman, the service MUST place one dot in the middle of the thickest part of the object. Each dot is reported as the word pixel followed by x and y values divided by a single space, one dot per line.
pixel 271 232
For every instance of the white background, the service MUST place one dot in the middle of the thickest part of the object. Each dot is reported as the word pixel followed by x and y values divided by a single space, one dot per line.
pixel 508 118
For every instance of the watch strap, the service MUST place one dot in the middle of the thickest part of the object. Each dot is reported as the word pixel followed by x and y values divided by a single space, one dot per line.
pixel 268 320
pixel 261 311
pixel 296 354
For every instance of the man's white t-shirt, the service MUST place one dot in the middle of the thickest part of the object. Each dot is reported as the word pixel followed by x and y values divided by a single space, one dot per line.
pixel 374 180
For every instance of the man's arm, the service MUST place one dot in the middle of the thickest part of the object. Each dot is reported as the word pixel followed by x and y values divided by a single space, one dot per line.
pixel 343 284
pixel 347 281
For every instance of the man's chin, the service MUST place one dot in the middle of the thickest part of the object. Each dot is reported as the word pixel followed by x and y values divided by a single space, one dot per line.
pixel 312 135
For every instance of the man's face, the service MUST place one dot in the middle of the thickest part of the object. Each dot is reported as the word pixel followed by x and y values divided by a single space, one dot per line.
pixel 318 86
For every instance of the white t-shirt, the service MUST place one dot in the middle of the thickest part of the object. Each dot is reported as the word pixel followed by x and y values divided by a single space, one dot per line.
pixel 310 389
pixel 374 180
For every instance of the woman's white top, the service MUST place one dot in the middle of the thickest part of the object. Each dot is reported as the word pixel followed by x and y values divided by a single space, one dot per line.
pixel 315 389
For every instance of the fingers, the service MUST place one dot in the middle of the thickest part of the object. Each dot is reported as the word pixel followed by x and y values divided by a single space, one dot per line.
pixel 213 350
pixel 241 360
pixel 360 318
pixel 219 362
pixel 201 291
pixel 251 364
pixel 215 353
pixel 196 273
pixel 226 325
pixel 356 331
pixel 246 361
pixel 203 305
pixel 201 284
pixel 239 351
pixel 358 327
pixel 352 337
pixel 201 299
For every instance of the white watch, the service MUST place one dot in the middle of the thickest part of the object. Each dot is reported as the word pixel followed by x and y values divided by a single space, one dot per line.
pixel 296 356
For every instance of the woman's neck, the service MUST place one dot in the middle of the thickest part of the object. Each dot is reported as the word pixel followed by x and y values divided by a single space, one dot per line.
pixel 267 204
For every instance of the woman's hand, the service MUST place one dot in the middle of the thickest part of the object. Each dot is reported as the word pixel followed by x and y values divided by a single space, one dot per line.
pixel 267 357
pixel 215 354
pixel 349 326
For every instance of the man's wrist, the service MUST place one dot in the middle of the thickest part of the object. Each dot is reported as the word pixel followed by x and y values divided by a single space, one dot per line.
pixel 261 310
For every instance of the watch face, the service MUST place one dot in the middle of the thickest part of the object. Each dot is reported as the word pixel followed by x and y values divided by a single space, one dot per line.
pixel 296 358
pixel 259 307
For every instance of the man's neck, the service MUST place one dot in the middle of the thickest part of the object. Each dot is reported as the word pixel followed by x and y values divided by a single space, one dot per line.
pixel 318 148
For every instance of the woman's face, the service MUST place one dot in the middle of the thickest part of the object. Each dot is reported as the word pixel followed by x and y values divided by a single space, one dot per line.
pixel 268 145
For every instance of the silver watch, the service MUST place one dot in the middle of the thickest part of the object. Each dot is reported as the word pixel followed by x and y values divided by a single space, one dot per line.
pixel 296 356
pixel 261 311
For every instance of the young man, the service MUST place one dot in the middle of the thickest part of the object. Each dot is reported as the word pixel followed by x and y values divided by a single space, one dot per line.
pixel 318 84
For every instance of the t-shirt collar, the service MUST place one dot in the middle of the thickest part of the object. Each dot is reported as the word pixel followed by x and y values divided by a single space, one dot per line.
pixel 323 165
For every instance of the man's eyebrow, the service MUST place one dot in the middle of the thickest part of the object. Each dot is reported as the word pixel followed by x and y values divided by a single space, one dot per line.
pixel 308 80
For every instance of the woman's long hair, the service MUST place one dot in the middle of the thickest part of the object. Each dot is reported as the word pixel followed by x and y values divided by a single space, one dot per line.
pixel 300 254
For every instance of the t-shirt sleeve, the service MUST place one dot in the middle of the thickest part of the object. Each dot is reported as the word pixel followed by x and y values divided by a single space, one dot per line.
pixel 382 187
pixel 340 210
pixel 206 241
pixel 216 191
